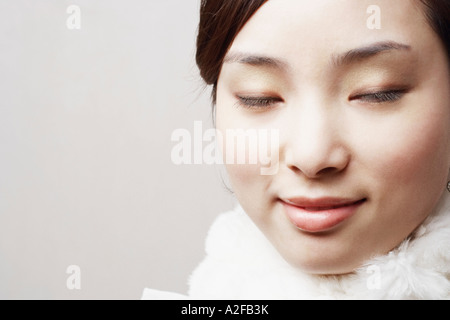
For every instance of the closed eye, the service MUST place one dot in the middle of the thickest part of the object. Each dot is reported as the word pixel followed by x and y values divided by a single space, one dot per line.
pixel 380 96
pixel 258 102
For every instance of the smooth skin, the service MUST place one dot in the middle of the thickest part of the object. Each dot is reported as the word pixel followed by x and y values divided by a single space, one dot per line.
pixel 362 114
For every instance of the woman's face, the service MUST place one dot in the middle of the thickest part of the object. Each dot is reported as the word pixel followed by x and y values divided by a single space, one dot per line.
pixel 362 110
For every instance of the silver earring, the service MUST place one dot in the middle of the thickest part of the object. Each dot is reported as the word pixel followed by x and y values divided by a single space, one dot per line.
pixel 448 186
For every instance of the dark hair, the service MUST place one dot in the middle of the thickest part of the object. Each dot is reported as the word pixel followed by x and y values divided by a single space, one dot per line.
pixel 222 20
pixel 438 15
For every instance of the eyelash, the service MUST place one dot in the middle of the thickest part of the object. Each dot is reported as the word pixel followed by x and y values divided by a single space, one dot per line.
pixel 375 97
pixel 380 97
pixel 258 102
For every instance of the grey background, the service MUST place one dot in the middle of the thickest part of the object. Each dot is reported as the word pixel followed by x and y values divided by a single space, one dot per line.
pixel 86 176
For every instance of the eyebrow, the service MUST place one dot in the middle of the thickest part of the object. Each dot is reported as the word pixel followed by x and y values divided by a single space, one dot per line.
pixel 337 60
pixel 369 51
pixel 256 60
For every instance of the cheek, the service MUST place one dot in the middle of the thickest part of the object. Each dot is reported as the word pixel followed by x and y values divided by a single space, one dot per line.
pixel 242 175
pixel 242 160
pixel 249 151
pixel 410 156
pixel 251 190
pixel 417 149
pixel 245 171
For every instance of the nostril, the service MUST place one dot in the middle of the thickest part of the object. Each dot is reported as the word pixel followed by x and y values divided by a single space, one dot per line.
pixel 315 165
pixel 327 171
pixel 321 173
pixel 295 169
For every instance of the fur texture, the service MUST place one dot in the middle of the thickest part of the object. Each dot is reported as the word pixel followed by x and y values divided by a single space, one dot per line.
pixel 242 264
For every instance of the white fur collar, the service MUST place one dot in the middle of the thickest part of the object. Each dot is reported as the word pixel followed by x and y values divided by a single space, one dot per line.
pixel 242 264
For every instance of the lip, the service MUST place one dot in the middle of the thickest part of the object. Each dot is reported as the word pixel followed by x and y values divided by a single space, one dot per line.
pixel 320 215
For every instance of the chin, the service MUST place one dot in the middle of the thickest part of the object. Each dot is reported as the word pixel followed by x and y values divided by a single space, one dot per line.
pixel 319 262
pixel 325 268
pixel 322 270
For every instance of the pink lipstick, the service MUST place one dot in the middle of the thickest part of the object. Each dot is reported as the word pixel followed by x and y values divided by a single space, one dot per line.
pixel 320 215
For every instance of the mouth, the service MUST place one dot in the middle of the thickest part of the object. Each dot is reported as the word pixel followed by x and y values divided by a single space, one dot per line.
pixel 320 215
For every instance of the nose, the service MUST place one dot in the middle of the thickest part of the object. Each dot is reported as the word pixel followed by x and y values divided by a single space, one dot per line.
pixel 314 144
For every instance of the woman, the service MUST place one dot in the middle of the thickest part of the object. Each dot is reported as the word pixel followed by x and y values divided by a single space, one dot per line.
pixel 358 206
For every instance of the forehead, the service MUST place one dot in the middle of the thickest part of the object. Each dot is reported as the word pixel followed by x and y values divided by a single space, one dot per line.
pixel 301 30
